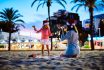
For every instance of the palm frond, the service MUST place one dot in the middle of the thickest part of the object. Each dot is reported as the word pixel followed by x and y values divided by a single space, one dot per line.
pixel 15 11
pixel 58 1
pixel 88 3
pixel 19 20
pixel 102 5
pixel 85 7
pixel 5 10
pixel 8 13
pixel 42 1
pixel 43 4
pixel 16 16
pixel 99 6
pixel 3 17
pixel 2 13
pixel 22 25
pixel 33 2
pixel 19 25
pixel 74 1
pixel 79 6
pixel 74 6
pixel 2 20
pixel 39 6
pixel 64 1
pixel 96 8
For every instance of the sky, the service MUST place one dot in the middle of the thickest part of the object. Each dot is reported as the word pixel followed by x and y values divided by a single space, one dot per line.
pixel 30 15
pixel 33 17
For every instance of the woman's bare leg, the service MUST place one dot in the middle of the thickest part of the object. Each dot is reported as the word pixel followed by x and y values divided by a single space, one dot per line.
pixel 48 50
pixel 42 49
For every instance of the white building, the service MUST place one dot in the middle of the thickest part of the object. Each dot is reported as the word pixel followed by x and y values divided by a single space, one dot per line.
pixel 97 18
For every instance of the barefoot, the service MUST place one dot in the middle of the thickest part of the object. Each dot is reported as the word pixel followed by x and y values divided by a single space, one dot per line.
pixel 34 55
pixel 61 55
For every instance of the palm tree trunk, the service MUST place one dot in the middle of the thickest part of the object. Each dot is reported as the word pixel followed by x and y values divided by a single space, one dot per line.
pixel 48 5
pixel 9 44
pixel 92 28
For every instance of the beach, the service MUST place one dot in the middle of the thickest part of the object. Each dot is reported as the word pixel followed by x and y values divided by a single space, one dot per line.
pixel 19 60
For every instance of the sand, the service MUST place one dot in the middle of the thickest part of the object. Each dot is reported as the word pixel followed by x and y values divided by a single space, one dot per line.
pixel 19 60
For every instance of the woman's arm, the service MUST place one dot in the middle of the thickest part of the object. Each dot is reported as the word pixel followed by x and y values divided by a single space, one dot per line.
pixel 66 36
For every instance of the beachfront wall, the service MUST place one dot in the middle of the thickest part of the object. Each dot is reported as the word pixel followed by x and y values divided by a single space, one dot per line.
pixel 98 42
pixel 32 46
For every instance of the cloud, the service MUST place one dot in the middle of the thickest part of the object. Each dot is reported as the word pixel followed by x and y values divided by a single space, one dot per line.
pixel 40 15
pixel 36 23
pixel 30 33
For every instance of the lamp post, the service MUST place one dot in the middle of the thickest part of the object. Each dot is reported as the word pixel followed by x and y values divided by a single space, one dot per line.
pixel 99 31
pixel 30 41
pixel 18 41
pixel 18 37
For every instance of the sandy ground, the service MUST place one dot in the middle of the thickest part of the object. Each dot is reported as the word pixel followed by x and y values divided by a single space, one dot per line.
pixel 19 60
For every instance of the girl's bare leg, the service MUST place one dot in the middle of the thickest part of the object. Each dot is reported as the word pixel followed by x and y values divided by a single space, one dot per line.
pixel 48 50
pixel 42 49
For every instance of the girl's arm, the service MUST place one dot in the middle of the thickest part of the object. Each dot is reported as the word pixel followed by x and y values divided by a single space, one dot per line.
pixel 36 29
pixel 39 30
pixel 49 31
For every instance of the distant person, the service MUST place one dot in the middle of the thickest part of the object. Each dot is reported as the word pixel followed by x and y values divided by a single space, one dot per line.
pixel 71 36
pixel 45 33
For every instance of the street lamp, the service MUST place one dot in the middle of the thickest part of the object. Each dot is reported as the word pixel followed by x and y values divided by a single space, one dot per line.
pixel 99 31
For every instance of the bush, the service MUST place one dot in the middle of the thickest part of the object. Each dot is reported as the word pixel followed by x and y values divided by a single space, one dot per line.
pixel 1 46
pixel 86 46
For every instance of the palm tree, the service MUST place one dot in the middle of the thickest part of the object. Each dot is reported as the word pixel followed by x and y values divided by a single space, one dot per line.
pixel 101 26
pixel 9 17
pixel 48 3
pixel 91 5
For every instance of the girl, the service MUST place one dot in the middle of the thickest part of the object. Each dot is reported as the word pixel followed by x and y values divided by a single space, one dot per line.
pixel 45 33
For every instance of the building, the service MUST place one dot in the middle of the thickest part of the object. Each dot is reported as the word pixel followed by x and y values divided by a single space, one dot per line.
pixel 98 20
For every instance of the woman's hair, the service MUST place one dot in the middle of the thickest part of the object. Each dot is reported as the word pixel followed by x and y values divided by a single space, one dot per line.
pixel 72 27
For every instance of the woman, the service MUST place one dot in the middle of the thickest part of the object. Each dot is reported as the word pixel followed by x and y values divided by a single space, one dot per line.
pixel 71 36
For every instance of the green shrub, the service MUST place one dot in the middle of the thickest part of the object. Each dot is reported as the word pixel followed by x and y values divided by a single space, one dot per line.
pixel 1 46
pixel 86 46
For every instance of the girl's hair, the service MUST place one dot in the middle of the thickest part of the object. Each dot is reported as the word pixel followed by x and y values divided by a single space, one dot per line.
pixel 45 21
pixel 45 26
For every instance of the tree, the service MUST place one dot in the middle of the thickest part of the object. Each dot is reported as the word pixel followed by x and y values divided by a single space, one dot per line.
pixel 91 5
pixel 8 24
pixel 101 26
pixel 48 4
